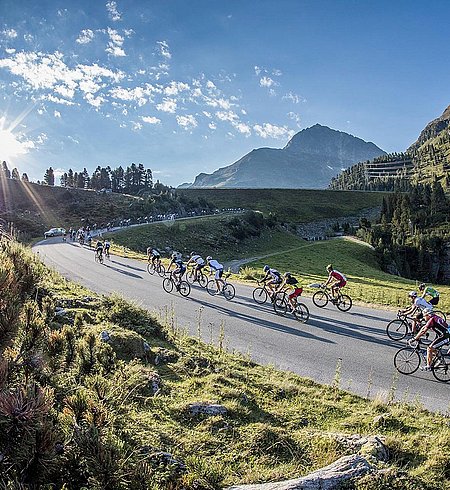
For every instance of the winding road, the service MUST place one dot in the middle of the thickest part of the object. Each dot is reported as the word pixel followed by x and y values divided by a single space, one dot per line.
pixel 355 341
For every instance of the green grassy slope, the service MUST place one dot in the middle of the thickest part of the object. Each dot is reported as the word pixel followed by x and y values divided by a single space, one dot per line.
pixel 293 205
pixel 366 283
pixel 206 236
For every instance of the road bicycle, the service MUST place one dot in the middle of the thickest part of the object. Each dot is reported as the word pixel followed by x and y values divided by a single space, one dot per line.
pixel 106 253
pixel 99 257
pixel 170 283
pixel 402 327
pixel 281 305
pixel 201 278
pixel 262 293
pixel 321 298
pixel 227 290
pixel 157 267
pixel 408 359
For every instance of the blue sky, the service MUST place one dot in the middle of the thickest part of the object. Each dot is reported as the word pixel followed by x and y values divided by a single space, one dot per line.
pixel 189 86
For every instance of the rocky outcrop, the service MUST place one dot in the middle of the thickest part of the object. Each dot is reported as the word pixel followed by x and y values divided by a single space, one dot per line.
pixel 309 160
pixel 371 452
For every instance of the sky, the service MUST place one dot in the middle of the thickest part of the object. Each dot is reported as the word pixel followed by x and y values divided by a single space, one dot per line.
pixel 185 87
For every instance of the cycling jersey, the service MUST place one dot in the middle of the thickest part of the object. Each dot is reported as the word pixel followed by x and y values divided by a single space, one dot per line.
pixel 107 245
pixel 438 324
pixel 215 265
pixel 431 292
pixel 276 276
pixel 338 275
pixel 155 253
pixel 422 304
pixel 99 246
pixel 198 260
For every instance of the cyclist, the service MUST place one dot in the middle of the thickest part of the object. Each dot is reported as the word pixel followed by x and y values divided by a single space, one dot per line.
pixel 337 281
pixel 275 280
pixel 199 264
pixel 290 280
pixel 180 268
pixel 218 272
pixel 106 248
pixel 442 331
pixel 153 255
pixel 89 240
pixel 417 306
pixel 99 248
pixel 429 291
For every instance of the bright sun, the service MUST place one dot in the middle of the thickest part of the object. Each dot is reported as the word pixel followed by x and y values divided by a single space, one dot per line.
pixel 10 146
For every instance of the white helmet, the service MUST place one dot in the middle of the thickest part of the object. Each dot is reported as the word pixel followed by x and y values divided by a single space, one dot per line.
pixel 208 258
pixel 412 294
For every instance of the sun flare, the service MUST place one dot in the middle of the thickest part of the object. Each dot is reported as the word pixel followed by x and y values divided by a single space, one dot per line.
pixel 10 146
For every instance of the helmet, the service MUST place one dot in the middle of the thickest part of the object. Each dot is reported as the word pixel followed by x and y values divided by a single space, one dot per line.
pixel 287 274
pixel 427 311
pixel 412 294
pixel 329 267
pixel 266 268
pixel 422 286
pixel 208 258
pixel 192 254
pixel 174 255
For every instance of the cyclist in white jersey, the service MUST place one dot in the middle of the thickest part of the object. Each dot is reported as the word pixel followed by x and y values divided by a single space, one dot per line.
pixel 218 272
pixel 418 304
pixel 199 264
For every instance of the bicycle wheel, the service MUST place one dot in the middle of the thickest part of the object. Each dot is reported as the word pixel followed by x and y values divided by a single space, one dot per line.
pixel 100 259
pixel 280 304
pixel 260 295
pixel 344 302
pixel 441 367
pixel 229 291
pixel 167 285
pixel 397 329
pixel 202 280
pixel 320 299
pixel 184 288
pixel 150 269
pixel 96 258
pixel 190 278
pixel 211 287
pixel 301 313
pixel 407 360
pixel 161 270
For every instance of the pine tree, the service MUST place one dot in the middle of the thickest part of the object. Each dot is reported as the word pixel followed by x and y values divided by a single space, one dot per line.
pixel 25 178
pixel 49 177
pixel 15 174
pixel 4 171
pixel 70 178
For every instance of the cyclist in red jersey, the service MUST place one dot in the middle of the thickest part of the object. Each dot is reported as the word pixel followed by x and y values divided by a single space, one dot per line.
pixel 336 279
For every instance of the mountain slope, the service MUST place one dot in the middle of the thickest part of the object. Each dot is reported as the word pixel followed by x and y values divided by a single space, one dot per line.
pixel 310 159
pixel 425 160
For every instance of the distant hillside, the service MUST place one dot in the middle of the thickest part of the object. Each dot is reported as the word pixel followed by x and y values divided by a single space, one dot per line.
pixel 309 160
pixel 424 161
pixel 34 208
pixel 289 205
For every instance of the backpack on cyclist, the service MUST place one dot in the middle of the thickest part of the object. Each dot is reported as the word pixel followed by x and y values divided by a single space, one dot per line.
pixel 291 280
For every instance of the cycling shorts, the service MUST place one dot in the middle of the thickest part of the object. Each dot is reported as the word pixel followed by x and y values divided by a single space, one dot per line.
pixel 440 341
pixel 218 274
pixel 340 284
pixel 295 293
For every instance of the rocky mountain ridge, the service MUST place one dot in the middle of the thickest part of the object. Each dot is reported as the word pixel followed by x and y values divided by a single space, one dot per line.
pixel 309 160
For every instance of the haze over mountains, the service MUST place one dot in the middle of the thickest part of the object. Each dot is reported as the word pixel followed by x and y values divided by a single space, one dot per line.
pixel 309 160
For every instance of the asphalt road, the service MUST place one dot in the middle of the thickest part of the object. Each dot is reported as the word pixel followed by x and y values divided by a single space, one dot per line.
pixel 356 340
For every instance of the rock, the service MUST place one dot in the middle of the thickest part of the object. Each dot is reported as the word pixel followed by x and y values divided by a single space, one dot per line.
pixel 60 311
pixel 207 409
pixel 154 381
pixel 375 450
pixel 104 336
pixel 330 477
pixel 164 356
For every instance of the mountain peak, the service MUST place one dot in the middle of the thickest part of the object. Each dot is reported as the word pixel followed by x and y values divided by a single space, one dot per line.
pixel 309 160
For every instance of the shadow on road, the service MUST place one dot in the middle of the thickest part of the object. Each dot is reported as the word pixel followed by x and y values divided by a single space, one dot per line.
pixel 121 271
pixel 128 266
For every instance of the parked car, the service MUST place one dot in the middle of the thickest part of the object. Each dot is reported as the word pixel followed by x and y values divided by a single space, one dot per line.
pixel 54 232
